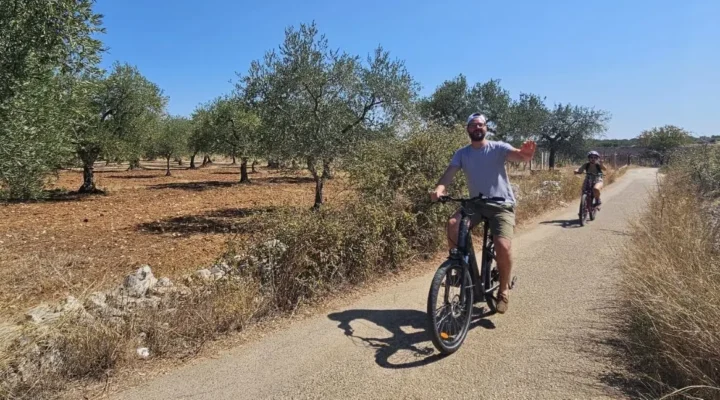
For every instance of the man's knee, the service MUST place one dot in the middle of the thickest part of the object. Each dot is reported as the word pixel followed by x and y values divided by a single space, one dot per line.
pixel 502 245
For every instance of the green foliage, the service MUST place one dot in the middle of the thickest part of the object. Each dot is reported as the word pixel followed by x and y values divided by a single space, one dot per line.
pixel 236 127
pixel 119 112
pixel 392 220
pixel 34 142
pixel 405 167
pixel 317 103
pixel 171 139
pixel 661 141
pixel 39 36
pixel 526 118
pixel 202 138
pixel 449 105
pixel 454 100
pixel 45 45
pixel 569 127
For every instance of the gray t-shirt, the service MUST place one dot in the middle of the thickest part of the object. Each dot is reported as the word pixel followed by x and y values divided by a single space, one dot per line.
pixel 485 171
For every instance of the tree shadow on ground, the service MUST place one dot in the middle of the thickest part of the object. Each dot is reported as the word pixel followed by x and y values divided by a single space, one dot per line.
pixel 285 179
pixel 194 186
pixel 416 343
pixel 56 196
pixel 228 220
pixel 226 172
pixel 564 223
pixel 135 176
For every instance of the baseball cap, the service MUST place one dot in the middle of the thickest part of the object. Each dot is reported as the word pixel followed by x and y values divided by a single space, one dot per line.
pixel 478 116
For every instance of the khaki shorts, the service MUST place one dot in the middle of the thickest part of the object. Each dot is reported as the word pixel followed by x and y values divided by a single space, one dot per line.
pixel 500 216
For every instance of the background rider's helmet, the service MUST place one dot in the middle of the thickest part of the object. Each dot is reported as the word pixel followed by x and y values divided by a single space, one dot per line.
pixel 593 153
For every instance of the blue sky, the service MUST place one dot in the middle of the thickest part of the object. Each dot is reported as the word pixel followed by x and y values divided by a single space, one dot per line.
pixel 648 63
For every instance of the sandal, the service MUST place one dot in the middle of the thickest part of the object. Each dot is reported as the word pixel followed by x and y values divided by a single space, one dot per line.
pixel 502 302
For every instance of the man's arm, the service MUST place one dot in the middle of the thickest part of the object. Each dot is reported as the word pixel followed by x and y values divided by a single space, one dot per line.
pixel 524 154
pixel 444 182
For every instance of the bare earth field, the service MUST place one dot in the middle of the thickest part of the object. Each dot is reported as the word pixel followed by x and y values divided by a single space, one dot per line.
pixel 71 245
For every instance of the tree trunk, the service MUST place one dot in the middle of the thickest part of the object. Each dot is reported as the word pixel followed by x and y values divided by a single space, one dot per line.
pixel 551 158
pixel 134 164
pixel 167 170
pixel 327 173
pixel 295 164
pixel 234 162
pixel 319 183
pixel 179 161
pixel 206 160
pixel 88 185
pixel 244 178
pixel 192 161
pixel 254 163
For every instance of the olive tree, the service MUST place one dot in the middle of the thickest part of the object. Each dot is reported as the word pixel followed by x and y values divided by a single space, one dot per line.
pixel 567 124
pixel 661 141
pixel 201 138
pixel 170 140
pixel 119 112
pixel 317 103
pixel 236 130
pixel 45 45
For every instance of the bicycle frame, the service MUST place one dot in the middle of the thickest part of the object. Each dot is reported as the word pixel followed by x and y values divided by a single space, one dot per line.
pixel 465 255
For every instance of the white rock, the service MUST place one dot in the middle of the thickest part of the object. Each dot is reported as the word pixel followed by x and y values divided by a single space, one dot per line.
pixel 203 274
pixel 143 352
pixel 137 284
pixel 217 272
pixel 164 282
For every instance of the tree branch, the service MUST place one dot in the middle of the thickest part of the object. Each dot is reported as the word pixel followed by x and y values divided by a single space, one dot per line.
pixel 373 102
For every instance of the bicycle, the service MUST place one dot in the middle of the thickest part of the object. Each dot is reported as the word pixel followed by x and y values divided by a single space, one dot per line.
pixel 588 208
pixel 449 328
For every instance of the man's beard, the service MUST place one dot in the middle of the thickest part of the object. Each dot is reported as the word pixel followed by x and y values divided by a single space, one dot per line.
pixel 476 136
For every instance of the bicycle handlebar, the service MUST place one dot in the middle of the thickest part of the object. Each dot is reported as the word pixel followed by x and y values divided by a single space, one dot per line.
pixel 444 199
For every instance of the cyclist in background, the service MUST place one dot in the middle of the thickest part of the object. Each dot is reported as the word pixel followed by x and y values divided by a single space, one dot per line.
pixel 596 167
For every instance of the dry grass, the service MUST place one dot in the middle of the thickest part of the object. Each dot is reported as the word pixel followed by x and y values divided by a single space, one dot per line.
pixel 672 289
pixel 42 362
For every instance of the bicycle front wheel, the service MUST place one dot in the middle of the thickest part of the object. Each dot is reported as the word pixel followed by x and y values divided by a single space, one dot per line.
pixel 583 210
pixel 450 307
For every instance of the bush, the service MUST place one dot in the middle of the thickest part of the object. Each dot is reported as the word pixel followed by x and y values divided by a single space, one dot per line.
pixel 672 281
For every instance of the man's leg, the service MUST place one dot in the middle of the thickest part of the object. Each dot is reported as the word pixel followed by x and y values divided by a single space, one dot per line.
pixel 503 226
pixel 504 261
pixel 453 226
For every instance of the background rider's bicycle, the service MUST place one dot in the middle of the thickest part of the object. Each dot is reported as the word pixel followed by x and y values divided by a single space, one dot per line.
pixel 458 284
pixel 588 208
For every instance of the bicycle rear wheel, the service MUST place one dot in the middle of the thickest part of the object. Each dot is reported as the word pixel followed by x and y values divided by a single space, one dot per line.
pixel 449 307
pixel 591 207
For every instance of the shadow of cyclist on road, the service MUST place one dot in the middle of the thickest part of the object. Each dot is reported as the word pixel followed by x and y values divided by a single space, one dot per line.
pixel 407 350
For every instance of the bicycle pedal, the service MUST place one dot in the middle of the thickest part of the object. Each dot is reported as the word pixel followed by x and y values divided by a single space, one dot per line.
pixel 513 281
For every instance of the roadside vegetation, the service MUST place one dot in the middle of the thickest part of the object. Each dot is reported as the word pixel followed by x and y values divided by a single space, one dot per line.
pixel 672 280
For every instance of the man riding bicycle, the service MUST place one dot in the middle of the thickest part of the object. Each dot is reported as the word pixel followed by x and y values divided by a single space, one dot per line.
pixel 595 168
pixel 483 163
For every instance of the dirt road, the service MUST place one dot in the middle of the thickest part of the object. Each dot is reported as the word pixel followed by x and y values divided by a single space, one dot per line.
pixel 546 346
